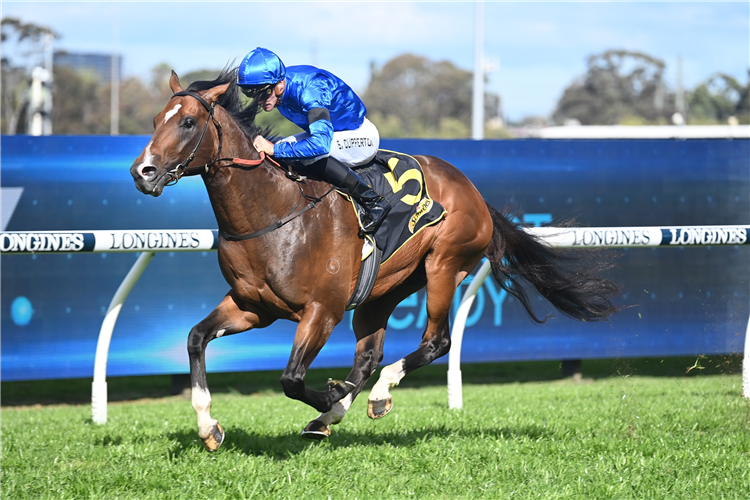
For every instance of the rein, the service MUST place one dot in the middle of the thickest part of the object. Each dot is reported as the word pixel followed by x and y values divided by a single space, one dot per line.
pixel 183 169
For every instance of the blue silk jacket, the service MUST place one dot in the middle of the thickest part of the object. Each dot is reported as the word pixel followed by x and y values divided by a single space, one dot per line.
pixel 307 88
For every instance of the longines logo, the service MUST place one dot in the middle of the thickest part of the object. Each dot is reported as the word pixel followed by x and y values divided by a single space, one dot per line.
pixel 153 240
pixel 610 237
pixel 41 242
pixel 708 236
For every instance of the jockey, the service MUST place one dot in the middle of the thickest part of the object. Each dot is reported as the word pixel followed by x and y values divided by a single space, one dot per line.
pixel 337 135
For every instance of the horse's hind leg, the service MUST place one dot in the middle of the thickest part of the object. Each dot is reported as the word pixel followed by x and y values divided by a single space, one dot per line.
pixel 434 345
pixel 442 280
pixel 227 319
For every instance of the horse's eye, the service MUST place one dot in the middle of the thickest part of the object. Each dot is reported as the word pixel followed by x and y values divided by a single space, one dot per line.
pixel 189 123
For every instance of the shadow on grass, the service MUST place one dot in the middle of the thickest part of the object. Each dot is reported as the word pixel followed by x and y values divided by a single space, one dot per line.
pixel 78 391
pixel 282 447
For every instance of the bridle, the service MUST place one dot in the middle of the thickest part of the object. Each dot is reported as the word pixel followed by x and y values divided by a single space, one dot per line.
pixel 183 169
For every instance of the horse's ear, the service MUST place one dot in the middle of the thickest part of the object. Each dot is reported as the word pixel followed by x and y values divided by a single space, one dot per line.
pixel 174 83
pixel 214 93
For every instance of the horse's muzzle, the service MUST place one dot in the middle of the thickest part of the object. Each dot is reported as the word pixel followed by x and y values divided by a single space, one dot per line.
pixel 148 172
pixel 148 180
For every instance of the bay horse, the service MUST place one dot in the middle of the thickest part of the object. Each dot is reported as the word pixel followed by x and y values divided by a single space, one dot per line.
pixel 301 264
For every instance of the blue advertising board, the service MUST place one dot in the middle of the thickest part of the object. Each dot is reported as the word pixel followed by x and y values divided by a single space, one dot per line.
pixel 676 301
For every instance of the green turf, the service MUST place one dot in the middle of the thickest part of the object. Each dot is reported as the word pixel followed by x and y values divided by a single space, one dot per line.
pixel 637 430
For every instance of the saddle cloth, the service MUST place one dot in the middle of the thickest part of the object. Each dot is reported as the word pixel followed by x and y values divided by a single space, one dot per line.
pixel 400 179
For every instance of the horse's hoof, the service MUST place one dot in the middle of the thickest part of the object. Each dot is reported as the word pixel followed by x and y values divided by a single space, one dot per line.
pixel 215 438
pixel 316 431
pixel 379 408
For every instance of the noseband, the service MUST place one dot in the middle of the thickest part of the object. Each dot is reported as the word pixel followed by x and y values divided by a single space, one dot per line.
pixel 183 167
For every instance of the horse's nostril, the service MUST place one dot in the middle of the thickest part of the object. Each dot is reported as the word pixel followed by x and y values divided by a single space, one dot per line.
pixel 148 172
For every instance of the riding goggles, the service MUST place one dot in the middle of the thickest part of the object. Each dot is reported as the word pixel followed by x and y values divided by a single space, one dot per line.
pixel 253 91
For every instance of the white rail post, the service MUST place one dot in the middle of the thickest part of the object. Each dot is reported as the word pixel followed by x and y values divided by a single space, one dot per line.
pixel 455 387
pixel 99 385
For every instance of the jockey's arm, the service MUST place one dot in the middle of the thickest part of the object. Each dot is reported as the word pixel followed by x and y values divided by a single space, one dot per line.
pixel 318 143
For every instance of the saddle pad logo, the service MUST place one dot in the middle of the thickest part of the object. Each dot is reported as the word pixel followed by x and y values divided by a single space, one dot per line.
pixel 422 209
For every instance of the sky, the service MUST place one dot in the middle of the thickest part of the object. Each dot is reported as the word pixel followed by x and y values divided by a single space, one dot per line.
pixel 534 49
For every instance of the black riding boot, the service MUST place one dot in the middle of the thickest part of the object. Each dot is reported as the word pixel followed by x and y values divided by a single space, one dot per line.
pixel 375 205
pixel 344 178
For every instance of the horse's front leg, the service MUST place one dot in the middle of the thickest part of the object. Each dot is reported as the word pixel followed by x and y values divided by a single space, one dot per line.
pixel 369 322
pixel 313 331
pixel 227 319
pixel 367 357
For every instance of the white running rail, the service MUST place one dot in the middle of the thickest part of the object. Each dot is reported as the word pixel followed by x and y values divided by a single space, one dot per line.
pixel 186 240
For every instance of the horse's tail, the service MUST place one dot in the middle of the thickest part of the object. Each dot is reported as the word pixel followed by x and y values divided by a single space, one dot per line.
pixel 568 279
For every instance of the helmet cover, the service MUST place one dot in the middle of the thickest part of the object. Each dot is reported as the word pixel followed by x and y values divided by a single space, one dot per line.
pixel 260 67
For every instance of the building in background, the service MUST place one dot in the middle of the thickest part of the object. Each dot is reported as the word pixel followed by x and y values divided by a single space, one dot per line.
pixel 105 67
pixel 98 64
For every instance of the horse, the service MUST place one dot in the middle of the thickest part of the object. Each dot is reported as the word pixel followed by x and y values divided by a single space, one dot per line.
pixel 284 259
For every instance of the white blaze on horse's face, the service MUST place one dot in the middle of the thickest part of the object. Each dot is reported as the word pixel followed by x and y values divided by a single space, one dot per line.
pixel 171 113
pixel 147 156
pixel 148 159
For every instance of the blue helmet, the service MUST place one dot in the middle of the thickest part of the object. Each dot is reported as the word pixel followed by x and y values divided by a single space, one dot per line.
pixel 260 67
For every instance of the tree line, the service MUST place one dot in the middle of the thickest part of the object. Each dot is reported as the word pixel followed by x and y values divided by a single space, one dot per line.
pixel 628 88
pixel 409 96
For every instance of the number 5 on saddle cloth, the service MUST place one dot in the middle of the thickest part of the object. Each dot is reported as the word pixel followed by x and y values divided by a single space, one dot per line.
pixel 399 178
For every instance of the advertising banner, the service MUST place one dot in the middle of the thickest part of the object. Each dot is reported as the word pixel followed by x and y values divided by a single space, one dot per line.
pixel 674 301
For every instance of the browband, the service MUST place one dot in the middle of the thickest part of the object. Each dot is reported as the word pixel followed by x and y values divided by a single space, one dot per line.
pixel 196 95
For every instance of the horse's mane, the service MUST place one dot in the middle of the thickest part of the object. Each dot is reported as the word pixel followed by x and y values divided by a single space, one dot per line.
pixel 230 100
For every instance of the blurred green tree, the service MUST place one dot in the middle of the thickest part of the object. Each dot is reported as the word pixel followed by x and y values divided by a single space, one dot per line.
pixel 79 105
pixel 23 48
pixel 412 96
pixel 718 99
pixel 619 86
pixel 83 104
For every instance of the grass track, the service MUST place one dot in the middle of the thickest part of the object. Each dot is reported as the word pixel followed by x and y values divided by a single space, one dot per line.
pixel 616 436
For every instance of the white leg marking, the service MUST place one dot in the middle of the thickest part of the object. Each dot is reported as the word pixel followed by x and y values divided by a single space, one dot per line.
pixel 202 407
pixel 337 412
pixel 390 376
pixel 171 113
